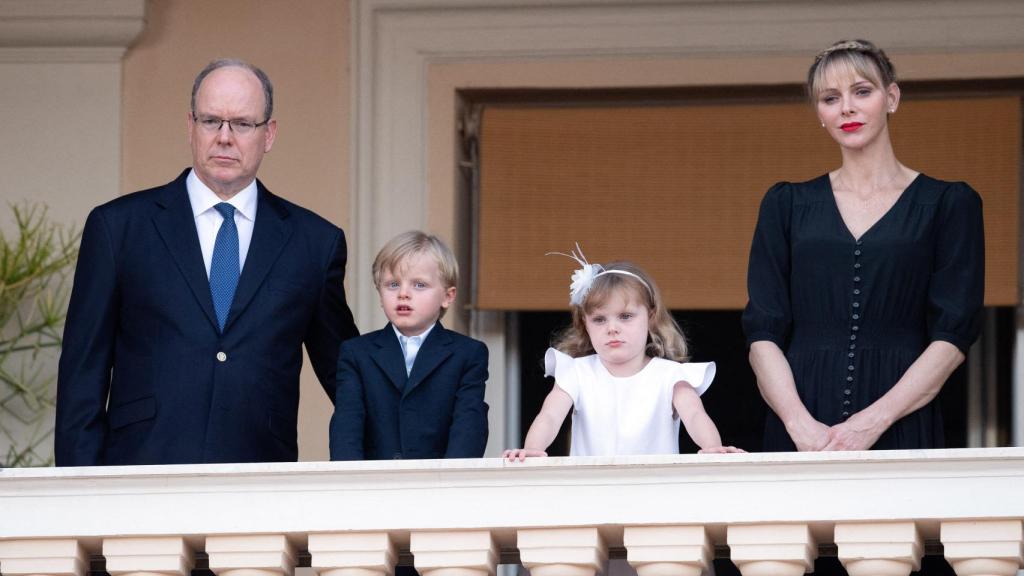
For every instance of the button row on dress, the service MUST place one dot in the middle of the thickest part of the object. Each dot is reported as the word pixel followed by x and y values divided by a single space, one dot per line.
pixel 854 328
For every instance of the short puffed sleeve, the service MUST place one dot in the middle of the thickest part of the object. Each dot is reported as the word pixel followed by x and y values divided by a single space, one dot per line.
pixel 563 368
pixel 956 289
pixel 697 374
pixel 768 315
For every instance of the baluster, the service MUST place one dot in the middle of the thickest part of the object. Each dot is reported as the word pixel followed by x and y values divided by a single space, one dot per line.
pixel 353 554
pixel 168 555
pixel 53 557
pixel 879 548
pixel 772 549
pixel 985 547
pixel 454 553
pixel 668 550
pixel 252 555
pixel 562 551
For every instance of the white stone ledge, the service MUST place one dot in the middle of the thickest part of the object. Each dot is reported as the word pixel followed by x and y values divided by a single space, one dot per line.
pixel 401 496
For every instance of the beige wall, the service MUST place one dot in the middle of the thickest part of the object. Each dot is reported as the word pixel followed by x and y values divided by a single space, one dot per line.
pixel 60 147
pixel 304 48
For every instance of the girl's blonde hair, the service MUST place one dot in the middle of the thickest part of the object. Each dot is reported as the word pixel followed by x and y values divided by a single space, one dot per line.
pixel 664 337
pixel 850 57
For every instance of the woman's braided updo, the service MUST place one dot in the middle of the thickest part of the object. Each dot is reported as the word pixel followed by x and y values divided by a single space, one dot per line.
pixel 858 57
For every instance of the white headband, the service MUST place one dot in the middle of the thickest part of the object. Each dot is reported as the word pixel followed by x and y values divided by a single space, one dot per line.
pixel 583 278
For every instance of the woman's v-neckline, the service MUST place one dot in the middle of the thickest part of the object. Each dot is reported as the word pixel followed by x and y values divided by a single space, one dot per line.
pixel 869 229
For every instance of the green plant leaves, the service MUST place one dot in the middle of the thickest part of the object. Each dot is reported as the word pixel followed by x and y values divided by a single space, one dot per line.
pixel 37 258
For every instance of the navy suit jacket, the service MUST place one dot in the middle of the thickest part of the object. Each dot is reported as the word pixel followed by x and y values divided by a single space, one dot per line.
pixel 147 377
pixel 437 411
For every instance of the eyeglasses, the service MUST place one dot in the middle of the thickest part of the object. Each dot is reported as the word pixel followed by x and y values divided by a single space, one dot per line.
pixel 212 124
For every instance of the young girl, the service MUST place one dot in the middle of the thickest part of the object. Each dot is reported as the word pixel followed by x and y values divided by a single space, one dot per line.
pixel 620 364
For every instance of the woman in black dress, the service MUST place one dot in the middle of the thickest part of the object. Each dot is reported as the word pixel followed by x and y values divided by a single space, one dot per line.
pixel 865 284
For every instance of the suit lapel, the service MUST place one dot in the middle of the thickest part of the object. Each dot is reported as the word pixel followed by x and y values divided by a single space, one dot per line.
pixel 269 236
pixel 177 228
pixel 387 354
pixel 435 350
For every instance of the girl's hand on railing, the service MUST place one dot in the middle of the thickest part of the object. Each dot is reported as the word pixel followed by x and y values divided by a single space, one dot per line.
pixel 720 450
pixel 522 454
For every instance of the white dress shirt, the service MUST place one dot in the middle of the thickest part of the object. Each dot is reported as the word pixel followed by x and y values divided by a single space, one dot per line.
pixel 208 219
pixel 411 346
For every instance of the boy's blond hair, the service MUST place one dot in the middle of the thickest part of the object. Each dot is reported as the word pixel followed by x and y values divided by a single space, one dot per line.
pixel 398 250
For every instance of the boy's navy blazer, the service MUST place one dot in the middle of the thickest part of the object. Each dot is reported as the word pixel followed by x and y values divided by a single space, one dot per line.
pixel 437 411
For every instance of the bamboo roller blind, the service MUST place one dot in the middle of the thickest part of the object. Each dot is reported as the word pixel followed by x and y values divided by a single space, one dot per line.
pixel 677 189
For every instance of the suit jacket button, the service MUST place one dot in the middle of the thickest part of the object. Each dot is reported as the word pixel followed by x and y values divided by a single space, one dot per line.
pixel 222 356
pixel 397 456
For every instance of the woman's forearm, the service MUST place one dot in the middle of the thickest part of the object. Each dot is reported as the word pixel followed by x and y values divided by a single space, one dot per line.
pixel 775 381
pixel 919 384
pixel 916 388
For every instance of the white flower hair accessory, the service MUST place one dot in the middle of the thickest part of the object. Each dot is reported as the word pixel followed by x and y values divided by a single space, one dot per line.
pixel 583 278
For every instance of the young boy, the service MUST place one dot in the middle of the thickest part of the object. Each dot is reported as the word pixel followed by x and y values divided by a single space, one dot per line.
pixel 412 389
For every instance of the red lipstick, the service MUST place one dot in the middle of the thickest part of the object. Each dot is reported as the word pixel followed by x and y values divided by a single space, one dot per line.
pixel 851 126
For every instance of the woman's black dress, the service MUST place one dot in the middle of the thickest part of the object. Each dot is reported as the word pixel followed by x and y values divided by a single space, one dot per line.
pixel 853 314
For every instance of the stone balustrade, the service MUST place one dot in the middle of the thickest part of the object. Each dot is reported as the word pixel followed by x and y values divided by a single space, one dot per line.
pixel 667 515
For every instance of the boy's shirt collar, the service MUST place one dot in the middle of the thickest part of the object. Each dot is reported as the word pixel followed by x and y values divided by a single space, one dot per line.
pixel 411 345
pixel 422 335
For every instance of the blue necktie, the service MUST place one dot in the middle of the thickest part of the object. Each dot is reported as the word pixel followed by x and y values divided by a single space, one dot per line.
pixel 224 268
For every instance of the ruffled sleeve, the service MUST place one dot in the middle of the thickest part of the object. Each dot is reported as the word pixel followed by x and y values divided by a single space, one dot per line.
pixel 697 374
pixel 956 289
pixel 562 367
pixel 768 315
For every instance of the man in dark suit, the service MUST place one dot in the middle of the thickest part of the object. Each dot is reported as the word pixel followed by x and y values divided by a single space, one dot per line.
pixel 413 389
pixel 191 302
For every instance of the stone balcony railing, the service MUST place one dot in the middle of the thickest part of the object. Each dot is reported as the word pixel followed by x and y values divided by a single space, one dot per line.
pixel 667 515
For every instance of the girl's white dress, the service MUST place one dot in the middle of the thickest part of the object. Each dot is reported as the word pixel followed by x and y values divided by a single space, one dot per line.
pixel 632 415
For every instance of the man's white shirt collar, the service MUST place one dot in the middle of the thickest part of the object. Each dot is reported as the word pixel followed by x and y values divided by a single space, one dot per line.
pixel 208 220
pixel 203 199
